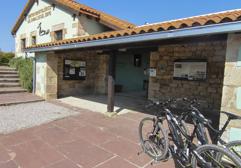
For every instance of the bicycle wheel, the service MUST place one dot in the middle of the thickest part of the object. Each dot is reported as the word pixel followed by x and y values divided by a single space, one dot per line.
pixel 153 139
pixel 235 147
pixel 210 158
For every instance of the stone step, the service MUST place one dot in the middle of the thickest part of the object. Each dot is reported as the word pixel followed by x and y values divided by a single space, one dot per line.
pixel 8 72
pixel 7 69
pixel 12 90
pixel 9 76
pixel 2 85
pixel 9 80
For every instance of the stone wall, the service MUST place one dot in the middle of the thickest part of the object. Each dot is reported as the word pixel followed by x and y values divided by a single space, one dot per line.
pixel 208 92
pixel 95 82
pixel 51 76
pixel 232 86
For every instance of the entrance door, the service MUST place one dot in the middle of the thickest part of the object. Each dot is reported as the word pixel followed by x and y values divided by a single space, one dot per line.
pixel 131 78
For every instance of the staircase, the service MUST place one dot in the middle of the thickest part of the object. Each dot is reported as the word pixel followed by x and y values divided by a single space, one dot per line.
pixel 9 81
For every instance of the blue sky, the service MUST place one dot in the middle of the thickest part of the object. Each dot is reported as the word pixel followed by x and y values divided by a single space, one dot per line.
pixel 135 11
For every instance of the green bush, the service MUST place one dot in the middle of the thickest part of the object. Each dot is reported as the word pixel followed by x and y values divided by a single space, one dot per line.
pixel 5 58
pixel 25 69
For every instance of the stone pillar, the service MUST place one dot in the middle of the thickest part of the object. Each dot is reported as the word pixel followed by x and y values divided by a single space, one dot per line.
pixel 231 99
pixel 51 76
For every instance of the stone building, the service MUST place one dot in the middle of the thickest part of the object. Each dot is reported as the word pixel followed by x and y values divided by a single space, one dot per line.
pixel 197 57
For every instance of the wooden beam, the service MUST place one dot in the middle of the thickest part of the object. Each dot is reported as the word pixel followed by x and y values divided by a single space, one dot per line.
pixel 111 82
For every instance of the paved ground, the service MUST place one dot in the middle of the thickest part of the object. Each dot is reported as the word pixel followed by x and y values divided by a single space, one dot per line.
pixel 88 140
pixel 16 98
pixel 16 117
pixel 123 104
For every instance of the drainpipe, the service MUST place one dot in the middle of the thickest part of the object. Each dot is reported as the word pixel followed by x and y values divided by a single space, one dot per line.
pixel 34 75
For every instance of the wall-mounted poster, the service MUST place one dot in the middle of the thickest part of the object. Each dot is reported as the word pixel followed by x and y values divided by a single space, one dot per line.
pixel 74 70
pixel 192 70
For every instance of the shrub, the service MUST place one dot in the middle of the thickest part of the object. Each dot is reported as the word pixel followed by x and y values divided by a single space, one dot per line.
pixel 25 69
pixel 5 58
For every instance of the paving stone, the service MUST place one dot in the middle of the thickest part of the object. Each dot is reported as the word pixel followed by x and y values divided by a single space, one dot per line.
pixel 35 154
pixel 17 98
pixel 127 150
pixel 84 153
pixel 90 134
pixel 64 164
pixel 116 162
pixel 56 136
pixel 10 164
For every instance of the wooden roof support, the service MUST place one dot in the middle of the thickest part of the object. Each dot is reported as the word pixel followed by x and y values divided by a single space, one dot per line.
pixel 111 82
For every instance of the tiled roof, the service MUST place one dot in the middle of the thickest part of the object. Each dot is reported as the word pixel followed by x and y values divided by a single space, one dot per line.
pixel 215 18
pixel 108 20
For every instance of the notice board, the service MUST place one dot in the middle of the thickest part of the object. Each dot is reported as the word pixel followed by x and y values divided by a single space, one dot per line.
pixel 192 70
pixel 74 70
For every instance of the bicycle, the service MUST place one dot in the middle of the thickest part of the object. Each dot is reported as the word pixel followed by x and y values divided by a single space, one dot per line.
pixel 184 152
pixel 233 146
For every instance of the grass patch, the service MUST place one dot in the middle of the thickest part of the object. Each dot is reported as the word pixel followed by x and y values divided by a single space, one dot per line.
pixel 5 57
pixel 25 69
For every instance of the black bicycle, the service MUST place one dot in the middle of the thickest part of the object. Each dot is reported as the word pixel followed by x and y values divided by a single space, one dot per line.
pixel 201 133
pixel 160 145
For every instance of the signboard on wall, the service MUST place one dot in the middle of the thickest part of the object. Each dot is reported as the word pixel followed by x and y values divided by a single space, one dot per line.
pixel 40 14
pixel 74 70
pixel 192 70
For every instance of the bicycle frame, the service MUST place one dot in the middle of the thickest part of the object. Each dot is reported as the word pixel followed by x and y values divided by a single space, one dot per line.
pixel 191 147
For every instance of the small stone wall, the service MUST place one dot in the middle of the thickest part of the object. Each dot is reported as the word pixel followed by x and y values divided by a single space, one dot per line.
pixel 209 92
pixel 96 69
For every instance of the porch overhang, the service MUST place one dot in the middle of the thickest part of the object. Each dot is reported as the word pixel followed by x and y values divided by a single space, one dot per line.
pixel 231 27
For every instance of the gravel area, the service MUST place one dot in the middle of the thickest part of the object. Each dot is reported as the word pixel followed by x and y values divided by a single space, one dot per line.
pixel 16 117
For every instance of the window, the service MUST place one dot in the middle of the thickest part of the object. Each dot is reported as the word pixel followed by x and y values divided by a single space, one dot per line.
pixel 34 40
pixel 23 44
pixel 58 35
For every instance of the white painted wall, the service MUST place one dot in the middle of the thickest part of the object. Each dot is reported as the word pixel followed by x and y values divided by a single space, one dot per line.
pixel 58 16
pixel 41 75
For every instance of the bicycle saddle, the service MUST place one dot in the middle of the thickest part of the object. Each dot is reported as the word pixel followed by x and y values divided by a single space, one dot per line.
pixel 231 115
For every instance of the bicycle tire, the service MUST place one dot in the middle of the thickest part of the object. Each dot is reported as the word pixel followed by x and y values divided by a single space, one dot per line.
pixel 165 142
pixel 229 158
pixel 233 144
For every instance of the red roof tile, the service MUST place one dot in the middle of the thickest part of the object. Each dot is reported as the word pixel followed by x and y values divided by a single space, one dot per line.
pixel 215 18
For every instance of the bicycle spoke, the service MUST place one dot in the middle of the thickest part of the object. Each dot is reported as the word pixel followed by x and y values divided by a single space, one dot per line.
pixel 237 150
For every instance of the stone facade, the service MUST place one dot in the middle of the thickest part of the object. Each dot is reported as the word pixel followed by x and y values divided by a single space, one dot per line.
pixel 96 81
pixel 209 92
pixel 51 85
pixel 232 85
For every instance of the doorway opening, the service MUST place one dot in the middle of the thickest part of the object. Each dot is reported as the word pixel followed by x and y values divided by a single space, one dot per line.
pixel 131 75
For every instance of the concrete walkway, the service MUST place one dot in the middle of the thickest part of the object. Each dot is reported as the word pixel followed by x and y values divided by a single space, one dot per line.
pixel 88 140
pixel 98 103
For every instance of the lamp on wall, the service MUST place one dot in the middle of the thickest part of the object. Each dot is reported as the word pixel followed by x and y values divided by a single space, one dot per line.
pixel 54 6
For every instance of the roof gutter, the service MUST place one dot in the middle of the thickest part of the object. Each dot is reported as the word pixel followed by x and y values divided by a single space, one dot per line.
pixel 187 32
